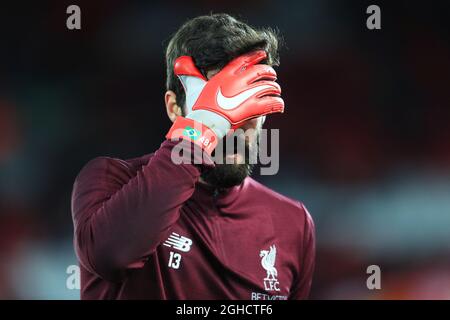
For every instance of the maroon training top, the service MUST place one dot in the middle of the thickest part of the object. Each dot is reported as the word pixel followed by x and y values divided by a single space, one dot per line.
pixel 147 229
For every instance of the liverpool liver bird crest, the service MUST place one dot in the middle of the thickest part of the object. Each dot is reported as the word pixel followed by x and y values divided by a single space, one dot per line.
pixel 268 262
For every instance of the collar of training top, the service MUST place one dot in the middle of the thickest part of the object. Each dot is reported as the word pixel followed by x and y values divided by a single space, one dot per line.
pixel 224 198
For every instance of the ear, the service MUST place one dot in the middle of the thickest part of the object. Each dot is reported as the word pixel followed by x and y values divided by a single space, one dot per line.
pixel 172 108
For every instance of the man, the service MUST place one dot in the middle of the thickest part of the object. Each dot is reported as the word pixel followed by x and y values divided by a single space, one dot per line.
pixel 155 228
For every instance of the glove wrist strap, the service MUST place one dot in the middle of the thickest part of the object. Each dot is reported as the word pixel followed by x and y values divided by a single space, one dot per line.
pixel 195 132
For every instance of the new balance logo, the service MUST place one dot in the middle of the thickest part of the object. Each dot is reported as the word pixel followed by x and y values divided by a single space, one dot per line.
pixel 178 242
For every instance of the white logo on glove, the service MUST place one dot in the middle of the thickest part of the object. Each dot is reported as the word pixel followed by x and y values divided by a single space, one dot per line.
pixel 234 102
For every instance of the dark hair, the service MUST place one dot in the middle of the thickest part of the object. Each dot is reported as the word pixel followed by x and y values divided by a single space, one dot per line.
pixel 213 41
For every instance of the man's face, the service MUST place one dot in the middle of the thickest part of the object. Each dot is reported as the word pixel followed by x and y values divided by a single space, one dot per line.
pixel 234 163
pixel 235 154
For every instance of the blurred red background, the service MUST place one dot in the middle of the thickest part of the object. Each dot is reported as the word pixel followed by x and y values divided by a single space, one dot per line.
pixel 365 140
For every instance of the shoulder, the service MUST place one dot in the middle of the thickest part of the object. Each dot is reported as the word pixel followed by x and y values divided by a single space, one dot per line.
pixel 101 177
pixel 107 173
pixel 102 166
pixel 283 208
pixel 269 195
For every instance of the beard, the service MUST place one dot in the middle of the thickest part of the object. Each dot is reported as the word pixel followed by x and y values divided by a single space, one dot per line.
pixel 225 174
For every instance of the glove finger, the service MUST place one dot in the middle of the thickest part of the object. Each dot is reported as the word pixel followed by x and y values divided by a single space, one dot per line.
pixel 260 72
pixel 185 66
pixel 263 107
pixel 271 104
pixel 191 78
pixel 242 62
pixel 193 86
pixel 270 88
pixel 257 73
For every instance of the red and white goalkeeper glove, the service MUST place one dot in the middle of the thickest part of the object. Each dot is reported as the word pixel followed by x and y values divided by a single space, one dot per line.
pixel 242 90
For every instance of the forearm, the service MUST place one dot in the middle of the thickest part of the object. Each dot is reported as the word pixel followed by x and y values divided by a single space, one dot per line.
pixel 120 220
